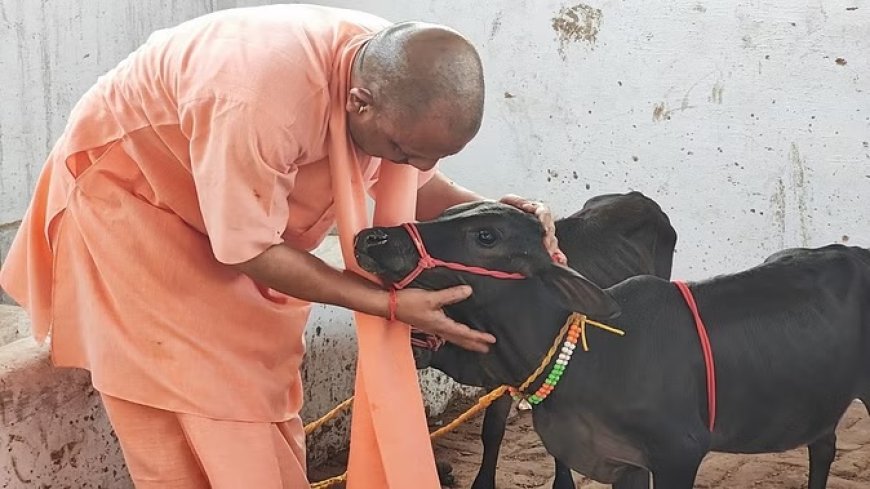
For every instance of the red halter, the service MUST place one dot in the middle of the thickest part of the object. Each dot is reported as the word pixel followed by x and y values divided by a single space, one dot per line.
pixel 427 261
pixel 419 338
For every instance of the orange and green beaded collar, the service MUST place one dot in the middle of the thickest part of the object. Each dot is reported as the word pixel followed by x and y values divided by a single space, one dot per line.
pixel 573 330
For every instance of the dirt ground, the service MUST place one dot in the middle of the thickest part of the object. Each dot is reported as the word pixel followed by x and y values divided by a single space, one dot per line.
pixel 524 464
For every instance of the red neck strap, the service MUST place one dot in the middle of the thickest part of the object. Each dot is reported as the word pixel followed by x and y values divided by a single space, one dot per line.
pixel 427 261
pixel 707 350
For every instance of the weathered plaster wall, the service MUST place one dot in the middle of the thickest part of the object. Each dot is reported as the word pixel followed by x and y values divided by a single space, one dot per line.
pixel 749 121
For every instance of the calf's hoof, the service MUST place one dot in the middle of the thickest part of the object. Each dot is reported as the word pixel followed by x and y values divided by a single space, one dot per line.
pixel 445 473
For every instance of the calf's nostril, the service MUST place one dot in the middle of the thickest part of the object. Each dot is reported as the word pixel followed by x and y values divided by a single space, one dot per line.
pixel 377 237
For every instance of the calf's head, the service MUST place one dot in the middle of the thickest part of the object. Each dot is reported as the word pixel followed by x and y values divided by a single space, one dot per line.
pixel 492 237
pixel 488 236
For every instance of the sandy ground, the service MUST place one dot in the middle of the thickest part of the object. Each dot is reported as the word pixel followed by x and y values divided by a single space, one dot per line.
pixel 524 463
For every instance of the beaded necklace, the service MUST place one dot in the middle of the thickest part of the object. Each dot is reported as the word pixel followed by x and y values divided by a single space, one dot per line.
pixel 573 330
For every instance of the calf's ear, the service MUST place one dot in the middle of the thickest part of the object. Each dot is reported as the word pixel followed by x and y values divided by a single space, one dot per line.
pixel 576 293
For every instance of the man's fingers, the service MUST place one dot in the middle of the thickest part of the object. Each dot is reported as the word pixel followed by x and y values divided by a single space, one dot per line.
pixel 542 212
pixel 511 199
pixel 551 243
pixel 546 217
pixel 474 346
pixel 453 295
pixel 519 202
pixel 466 337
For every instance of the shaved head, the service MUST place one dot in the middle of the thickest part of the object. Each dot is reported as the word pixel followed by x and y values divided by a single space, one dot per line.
pixel 426 69
pixel 420 81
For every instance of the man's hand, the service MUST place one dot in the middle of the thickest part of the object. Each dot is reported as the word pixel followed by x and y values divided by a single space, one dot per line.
pixel 440 193
pixel 304 276
pixel 423 310
pixel 542 212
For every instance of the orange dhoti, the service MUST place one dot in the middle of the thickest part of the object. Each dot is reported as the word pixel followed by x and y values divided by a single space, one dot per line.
pixel 168 450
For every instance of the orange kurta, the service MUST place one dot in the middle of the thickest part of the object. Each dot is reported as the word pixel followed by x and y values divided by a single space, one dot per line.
pixel 203 148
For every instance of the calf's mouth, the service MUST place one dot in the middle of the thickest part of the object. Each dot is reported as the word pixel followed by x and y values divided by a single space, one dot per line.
pixel 377 253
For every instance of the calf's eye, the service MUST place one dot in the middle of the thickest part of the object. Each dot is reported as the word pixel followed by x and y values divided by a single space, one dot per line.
pixel 486 237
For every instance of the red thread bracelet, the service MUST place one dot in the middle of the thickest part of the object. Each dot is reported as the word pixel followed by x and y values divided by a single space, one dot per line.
pixel 394 304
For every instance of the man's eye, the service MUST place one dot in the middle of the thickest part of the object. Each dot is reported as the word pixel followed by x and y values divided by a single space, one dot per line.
pixel 486 237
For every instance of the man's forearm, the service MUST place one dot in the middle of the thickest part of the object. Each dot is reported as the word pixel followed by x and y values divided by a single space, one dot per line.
pixel 304 276
pixel 440 193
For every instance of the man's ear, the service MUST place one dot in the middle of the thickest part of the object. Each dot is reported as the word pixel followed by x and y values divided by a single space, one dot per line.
pixel 576 293
pixel 358 100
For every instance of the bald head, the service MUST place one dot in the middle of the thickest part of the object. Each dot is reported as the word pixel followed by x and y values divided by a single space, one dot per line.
pixel 419 70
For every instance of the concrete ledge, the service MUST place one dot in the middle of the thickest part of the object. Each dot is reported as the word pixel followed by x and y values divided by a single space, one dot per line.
pixel 54 430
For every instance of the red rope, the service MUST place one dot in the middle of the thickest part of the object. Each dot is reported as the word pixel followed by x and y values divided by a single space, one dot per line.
pixel 706 348
pixel 427 261
pixel 394 304
pixel 420 339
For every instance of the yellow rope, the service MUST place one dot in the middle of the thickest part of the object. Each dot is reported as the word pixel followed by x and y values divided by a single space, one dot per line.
pixel 482 404
pixel 585 321
pixel 329 482
pixel 314 425
pixel 572 319
pixel 310 427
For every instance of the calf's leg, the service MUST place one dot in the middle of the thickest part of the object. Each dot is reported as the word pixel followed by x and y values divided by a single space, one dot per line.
pixel 635 478
pixel 679 477
pixel 677 471
pixel 822 452
pixel 445 473
pixel 494 424
pixel 564 479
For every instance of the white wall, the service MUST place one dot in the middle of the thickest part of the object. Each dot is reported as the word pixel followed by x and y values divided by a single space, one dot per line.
pixel 733 114
pixel 50 53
